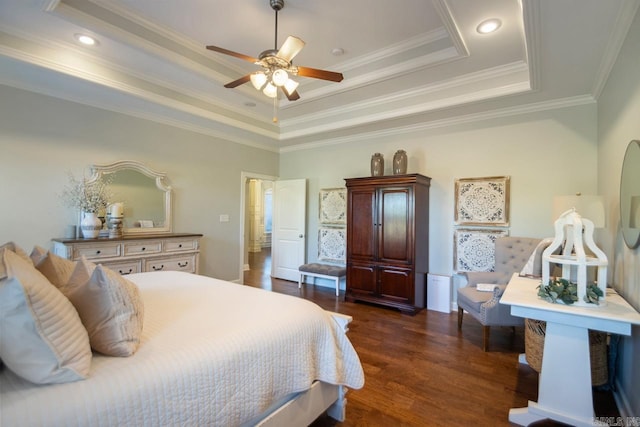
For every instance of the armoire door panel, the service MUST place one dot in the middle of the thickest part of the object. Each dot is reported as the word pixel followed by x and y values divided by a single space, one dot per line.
pixel 396 283
pixel 361 279
pixel 395 225
pixel 362 227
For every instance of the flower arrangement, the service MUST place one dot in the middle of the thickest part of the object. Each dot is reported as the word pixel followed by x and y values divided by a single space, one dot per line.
pixel 85 195
pixel 567 292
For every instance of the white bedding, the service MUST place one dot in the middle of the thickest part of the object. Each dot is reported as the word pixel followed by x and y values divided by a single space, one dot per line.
pixel 212 353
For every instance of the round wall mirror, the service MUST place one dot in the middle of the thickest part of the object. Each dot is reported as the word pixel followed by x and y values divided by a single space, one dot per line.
pixel 630 195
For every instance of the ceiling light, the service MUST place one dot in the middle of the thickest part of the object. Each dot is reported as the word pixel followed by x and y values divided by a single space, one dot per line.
pixel 270 90
pixel 338 51
pixel 279 77
pixel 290 86
pixel 258 79
pixel 489 26
pixel 86 40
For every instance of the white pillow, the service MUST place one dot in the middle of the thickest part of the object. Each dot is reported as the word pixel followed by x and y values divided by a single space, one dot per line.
pixel 110 308
pixel 41 336
pixel 533 267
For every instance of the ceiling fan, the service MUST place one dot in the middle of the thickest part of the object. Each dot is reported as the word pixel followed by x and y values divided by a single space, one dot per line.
pixel 277 65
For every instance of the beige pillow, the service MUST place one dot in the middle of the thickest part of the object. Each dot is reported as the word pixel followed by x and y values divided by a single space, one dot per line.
pixel 38 253
pixel 41 336
pixel 110 308
pixel 56 269
pixel 17 250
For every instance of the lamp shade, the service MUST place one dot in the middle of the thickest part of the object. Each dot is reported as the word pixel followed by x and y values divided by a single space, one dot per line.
pixel 589 207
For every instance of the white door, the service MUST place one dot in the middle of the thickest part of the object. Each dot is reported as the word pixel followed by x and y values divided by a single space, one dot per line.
pixel 289 234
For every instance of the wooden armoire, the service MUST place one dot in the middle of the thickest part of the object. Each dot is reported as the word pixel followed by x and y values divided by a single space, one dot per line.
pixel 388 240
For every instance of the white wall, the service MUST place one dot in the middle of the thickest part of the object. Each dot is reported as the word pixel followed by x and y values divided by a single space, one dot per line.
pixel 42 138
pixel 546 154
pixel 619 123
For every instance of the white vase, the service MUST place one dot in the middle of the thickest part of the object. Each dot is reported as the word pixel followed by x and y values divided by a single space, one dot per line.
pixel 90 225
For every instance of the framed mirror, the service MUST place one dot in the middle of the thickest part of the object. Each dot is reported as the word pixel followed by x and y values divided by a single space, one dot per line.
pixel 144 194
pixel 630 195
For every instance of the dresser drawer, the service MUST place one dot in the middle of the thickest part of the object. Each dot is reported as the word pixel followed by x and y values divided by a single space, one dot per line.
pixel 185 263
pixel 124 268
pixel 142 248
pixel 93 252
pixel 180 245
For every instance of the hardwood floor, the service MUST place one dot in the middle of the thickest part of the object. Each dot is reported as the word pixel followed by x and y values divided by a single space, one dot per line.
pixel 420 370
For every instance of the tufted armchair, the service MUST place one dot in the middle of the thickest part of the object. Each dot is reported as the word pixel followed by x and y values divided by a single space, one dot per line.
pixel 511 256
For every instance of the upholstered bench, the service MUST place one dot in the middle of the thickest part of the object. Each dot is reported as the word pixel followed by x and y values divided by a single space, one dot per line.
pixel 323 271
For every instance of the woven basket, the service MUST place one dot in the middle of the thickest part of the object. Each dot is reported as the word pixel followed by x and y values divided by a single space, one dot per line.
pixel 534 332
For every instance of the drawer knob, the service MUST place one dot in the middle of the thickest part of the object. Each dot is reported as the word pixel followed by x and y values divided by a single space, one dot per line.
pixel 155 268
pixel 183 265
pixel 143 248
pixel 180 245
pixel 124 273
pixel 98 252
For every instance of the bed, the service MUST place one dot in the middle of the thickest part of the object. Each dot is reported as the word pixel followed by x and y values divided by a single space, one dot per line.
pixel 211 353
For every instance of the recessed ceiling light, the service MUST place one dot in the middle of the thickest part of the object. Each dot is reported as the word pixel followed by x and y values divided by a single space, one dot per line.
pixel 337 51
pixel 86 40
pixel 489 26
pixel 250 104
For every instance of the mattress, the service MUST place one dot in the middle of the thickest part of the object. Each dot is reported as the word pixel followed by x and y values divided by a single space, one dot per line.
pixel 212 353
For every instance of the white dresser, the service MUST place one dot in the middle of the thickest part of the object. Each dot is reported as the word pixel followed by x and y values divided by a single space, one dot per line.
pixel 136 253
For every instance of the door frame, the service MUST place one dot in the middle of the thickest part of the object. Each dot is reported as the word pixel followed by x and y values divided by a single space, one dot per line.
pixel 244 176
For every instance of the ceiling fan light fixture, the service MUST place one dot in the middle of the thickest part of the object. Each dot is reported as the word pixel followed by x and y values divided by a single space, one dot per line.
pixel 290 86
pixel 258 79
pixel 279 77
pixel 270 90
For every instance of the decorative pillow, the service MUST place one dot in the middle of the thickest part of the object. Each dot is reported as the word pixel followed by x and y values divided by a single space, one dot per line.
pixel 41 336
pixel 38 254
pixel 533 267
pixel 110 308
pixel 17 250
pixel 56 269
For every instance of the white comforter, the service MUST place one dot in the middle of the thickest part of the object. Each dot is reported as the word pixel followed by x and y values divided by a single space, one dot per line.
pixel 213 353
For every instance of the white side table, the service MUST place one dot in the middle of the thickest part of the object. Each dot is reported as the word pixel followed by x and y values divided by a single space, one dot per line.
pixel 564 389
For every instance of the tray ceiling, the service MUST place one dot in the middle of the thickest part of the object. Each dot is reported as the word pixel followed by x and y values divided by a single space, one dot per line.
pixel 406 65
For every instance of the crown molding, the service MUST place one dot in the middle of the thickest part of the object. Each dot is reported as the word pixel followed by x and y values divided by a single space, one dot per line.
pixel 531 22
pixel 624 20
pixel 444 12
pixel 419 92
pixel 452 121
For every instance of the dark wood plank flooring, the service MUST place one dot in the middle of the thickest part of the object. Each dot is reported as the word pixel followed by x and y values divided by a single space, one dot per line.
pixel 420 370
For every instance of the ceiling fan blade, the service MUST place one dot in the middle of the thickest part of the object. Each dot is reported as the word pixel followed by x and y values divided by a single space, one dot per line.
pixel 294 95
pixel 319 74
pixel 232 53
pixel 290 48
pixel 240 81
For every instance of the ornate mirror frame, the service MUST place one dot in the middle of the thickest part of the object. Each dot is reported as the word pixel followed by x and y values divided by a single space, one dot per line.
pixel 630 195
pixel 99 171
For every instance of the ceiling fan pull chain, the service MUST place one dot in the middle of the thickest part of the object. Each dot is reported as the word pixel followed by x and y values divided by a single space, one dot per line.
pixel 275 109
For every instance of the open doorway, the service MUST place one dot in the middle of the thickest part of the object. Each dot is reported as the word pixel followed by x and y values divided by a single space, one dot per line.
pixel 256 231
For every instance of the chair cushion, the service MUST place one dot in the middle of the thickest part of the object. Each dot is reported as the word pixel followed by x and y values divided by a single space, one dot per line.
pixel 326 269
pixel 470 298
